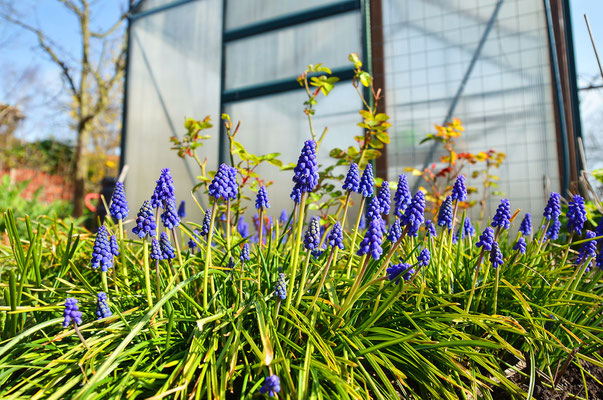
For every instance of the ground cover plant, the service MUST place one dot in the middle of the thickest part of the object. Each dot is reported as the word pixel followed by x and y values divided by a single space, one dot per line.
pixel 392 302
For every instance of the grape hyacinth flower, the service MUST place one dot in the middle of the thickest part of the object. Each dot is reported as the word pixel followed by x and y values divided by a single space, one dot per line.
pixel 101 253
pixel 167 251
pixel 486 239
pixel 71 313
pixel 156 250
pixel 588 250
pixel 296 194
pixel 397 271
pixel 502 218
pixel 553 231
pixel 352 179
pixel 424 257
pixel 526 225
pixel 576 215
pixel 114 246
pixel 102 309
pixel 284 217
pixel 223 217
pixel 191 242
pixel 430 230
pixel 335 238
pixel 261 200
pixel 145 221
pixel 224 185
pixel 414 215
pixel 496 257
pixel 373 211
pixel 459 190
pixel 384 198
pixel 206 223
pixel 467 230
pixel 119 206
pixel 164 190
pixel 182 209
pixel 169 217
pixel 280 289
pixel 242 227
pixel 271 385
pixel 245 253
pixel 372 240
pixel 395 231
pixel 362 224
pixel 312 236
pixel 445 214
pixel 305 173
pixel 402 197
pixel 367 182
pixel 552 210
pixel 520 245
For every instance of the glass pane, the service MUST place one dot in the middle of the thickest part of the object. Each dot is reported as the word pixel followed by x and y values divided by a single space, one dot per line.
pixel 287 52
pixel 506 104
pixel 240 13
pixel 170 77
pixel 277 124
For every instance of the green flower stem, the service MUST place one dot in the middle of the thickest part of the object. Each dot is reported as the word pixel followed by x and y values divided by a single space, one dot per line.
pixel 479 263
pixel 348 301
pixel 302 283
pixel 496 289
pixel 104 282
pixel 325 272
pixel 569 245
pixel 208 253
pixel 345 210
pixel 147 272
pixel 178 252
pixel 228 229
pixel 157 284
pixel 354 236
pixel 241 283
pixel 122 253
pixel 79 334
pixel 260 234
pixel 293 265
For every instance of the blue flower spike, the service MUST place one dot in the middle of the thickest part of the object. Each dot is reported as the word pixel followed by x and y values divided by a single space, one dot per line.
pixel 145 221
pixel 459 190
pixel 367 182
pixel 352 179
pixel 280 289
pixel 102 308
pixel 101 252
pixel 271 385
pixel 576 215
pixel 119 206
pixel 164 190
pixel 261 200
pixel 402 197
pixel 502 219
pixel 305 173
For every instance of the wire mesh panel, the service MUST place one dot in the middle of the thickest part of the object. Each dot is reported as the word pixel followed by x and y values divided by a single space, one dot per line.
pixel 500 50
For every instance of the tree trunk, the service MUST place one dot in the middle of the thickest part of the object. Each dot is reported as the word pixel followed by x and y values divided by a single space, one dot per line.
pixel 80 170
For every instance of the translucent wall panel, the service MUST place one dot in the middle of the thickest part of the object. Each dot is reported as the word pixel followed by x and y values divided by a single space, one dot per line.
pixel 241 13
pixel 506 103
pixel 147 5
pixel 174 73
pixel 286 53
pixel 277 124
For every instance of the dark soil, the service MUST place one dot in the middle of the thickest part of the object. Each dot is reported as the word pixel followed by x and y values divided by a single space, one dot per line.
pixel 570 386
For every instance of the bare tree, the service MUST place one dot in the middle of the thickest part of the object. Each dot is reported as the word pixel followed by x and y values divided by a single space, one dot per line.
pixel 91 79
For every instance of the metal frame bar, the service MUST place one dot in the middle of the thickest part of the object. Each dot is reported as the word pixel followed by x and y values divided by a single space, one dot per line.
pixel 461 87
pixel 290 20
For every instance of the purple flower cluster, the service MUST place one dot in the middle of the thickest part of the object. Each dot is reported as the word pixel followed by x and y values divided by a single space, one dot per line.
pixel 371 244
pixel 312 236
pixel 182 209
pixel 553 231
pixel 486 239
pixel 224 185
pixel 459 190
pixel 119 206
pixel 169 216
pixel 352 179
pixel 71 312
pixel 467 230
pixel 367 182
pixel 271 385
pixel 424 257
pixel 145 221
pixel 102 309
pixel 526 225
pixel 430 230
pixel 395 231
pixel 206 223
pixel 384 197
pixel 520 245
pixel 588 251
pixel 414 215
pixel 156 250
pixel 305 173
pixel 402 197
pixel 445 215
pixel 502 218
pixel 101 252
pixel 192 244
pixel 167 251
pixel 245 253
pixel 552 210
pixel 336 236
pixel 403 270
pixel 496 257
pixel 280 289
pixel 576 215
pixel 114 246
pixel 164 190
pixel 261 200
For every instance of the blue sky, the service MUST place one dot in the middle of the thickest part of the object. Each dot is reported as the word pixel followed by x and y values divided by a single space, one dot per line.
pixel 21 52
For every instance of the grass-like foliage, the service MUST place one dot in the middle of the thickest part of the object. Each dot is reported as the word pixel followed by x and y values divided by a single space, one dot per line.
pixel 381 300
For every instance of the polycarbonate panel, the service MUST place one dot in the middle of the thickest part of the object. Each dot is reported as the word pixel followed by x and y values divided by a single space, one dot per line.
pixel 287 52
pixel 147 5
pixel 173 73
pixel 506 104
pixel 241 13
pixel 277 124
